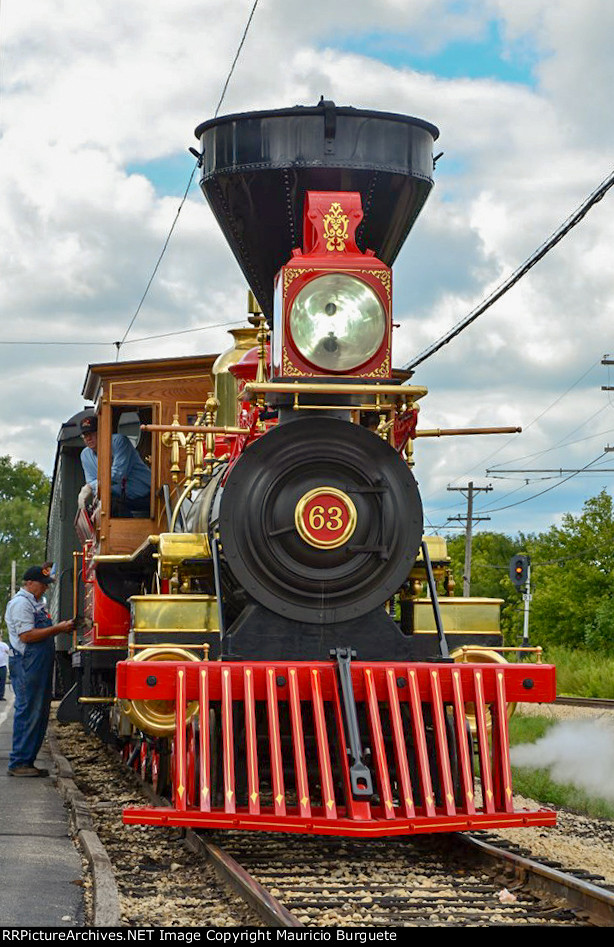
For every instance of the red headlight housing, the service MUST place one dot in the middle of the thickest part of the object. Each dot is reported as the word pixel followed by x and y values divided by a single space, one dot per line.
pixel 333 303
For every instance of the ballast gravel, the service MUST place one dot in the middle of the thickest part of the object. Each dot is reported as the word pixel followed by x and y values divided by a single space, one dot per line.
pixel 161 884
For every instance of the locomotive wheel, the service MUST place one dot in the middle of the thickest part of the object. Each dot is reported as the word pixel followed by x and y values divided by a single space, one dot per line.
pixel 374 528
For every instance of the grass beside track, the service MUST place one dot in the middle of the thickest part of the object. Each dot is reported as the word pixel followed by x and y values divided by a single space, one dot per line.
pixel 537 783
pixel 582 673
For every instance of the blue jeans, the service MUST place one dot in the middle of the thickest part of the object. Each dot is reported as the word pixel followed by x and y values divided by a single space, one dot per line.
pixel 31 676
pixel 2 681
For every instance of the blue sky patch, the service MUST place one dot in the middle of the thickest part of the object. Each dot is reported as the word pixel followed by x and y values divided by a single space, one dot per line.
pixel 169 175
pixel 487 57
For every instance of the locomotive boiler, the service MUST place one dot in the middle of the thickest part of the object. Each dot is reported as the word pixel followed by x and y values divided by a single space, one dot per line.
pixel 260 641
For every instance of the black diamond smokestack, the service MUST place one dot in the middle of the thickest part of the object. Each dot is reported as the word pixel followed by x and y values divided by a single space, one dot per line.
pixel 257 166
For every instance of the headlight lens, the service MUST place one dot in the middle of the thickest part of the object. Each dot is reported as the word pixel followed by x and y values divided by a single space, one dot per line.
pixel 337 322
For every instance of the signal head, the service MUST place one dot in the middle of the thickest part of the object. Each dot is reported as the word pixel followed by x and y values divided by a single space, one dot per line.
pixel 519 570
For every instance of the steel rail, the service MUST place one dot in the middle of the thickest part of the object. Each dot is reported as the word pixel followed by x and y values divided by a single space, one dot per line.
pixel 266 906
pixel 583 896
pixel 604 702
pixel 231 873
pixel 591 902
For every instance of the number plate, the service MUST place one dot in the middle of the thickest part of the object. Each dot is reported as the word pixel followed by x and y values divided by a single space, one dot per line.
pixel 325 517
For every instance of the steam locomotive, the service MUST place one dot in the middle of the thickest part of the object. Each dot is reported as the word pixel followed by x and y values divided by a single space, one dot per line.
pixel 259 641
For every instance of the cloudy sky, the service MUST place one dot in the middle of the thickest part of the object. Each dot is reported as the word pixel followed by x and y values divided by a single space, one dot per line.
pixel 98 103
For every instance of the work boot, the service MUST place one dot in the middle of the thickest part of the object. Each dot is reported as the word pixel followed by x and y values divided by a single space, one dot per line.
pixel 27 771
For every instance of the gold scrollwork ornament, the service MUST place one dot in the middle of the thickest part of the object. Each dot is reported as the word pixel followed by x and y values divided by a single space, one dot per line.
pixel 336 225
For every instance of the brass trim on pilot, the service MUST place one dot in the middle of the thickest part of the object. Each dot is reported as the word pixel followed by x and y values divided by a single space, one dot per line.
pixel 96 700
pixel 157 717
pixel 481 655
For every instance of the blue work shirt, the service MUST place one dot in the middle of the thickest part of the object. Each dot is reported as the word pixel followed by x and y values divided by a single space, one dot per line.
pixel 20 616
pixel 127 469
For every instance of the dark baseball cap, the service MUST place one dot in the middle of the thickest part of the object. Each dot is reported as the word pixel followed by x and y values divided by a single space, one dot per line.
pixel 37 574
pixel 89 424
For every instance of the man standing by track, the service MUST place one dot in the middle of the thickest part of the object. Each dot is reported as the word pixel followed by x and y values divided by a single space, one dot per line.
pixel 31 634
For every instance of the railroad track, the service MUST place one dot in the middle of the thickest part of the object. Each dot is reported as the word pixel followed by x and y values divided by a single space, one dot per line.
pixel 414 882
pixel 295 881
pixel 588 702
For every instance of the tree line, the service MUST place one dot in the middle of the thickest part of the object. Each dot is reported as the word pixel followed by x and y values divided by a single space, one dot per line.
pixel 24 499
pixel 572 577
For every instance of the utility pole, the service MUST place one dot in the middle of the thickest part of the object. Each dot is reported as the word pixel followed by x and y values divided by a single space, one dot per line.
pixel 470 519
pixel 13 578
pixel 606 360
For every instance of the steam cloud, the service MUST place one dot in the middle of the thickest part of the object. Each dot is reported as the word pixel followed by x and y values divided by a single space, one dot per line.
pixel 578 752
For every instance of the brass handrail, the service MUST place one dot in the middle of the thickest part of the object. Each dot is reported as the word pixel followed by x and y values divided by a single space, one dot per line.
pixel 456 431
pixel 310 388
pixel 194 429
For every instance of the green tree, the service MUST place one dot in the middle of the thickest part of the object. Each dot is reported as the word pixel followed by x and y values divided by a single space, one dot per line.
pixel 24 497
pixel 573 572
pixel 572 578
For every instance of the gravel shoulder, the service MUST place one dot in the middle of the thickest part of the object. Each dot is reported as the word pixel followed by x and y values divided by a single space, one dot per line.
pixel 160 882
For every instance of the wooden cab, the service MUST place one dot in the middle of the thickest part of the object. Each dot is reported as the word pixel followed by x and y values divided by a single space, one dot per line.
pixel 126 395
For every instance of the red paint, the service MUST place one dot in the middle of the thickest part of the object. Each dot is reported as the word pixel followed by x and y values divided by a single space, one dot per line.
pixel 411 698
pixel 324 518
pixel 330 247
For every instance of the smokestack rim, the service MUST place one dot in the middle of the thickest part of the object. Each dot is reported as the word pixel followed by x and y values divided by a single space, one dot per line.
pixel 304 110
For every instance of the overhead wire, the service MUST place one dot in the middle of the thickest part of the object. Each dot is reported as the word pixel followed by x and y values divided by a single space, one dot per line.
pixel 119 344
pixel 507 443
pixel 559 444
pixel 562 442
pixel 548 489
pixel 562 231
pixel 144 338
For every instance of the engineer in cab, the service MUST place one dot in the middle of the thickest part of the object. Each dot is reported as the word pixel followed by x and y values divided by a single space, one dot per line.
pixel 130 475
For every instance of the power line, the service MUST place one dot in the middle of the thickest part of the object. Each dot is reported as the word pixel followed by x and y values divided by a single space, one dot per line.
pixel 517 275
pixel 526 428
pixel 232 68
pixel 144 338
pixel 547 490
pixel 166 335
pixel 189 184
pixel 492 472
pixel 562 442
pixel 158 262
pixel 556 471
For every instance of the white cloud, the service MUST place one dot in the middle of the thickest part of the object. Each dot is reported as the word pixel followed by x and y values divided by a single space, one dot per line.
pixel 91 90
